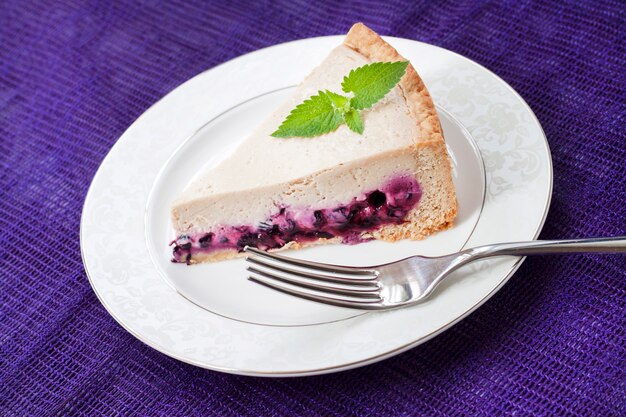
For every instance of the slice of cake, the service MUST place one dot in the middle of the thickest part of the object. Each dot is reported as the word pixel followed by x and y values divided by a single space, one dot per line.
pixel 392 182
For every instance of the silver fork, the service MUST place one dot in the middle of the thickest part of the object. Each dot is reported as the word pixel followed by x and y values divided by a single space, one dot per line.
pixel 396 284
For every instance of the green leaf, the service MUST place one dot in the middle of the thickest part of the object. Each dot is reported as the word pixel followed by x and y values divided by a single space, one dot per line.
pixel 372 82
pixel 326 111
pixel 315 116
pixel 340 102
pixel 354 121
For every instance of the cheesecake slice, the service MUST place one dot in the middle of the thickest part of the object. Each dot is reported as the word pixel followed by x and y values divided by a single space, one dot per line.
pixel 392 182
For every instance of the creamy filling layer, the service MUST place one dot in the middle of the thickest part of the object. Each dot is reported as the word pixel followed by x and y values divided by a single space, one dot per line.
pixel 389 204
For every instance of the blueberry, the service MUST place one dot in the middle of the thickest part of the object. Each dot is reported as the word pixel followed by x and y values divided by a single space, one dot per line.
pixel 352 214
pixel 367 222
pixel 274 231
pixel 320 220
pixel 248 239
pixel 205 240
pixel 377 198
pixel 185 246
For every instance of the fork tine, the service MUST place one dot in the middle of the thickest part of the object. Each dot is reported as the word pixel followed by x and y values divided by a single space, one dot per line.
pixel 313 265
pixel 356 292
pixel 365 304
pixel 357 280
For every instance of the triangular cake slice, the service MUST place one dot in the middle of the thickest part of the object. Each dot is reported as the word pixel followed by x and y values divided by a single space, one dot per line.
pixel 392 182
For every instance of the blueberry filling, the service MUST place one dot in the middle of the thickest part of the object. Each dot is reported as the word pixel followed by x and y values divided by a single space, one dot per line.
pixel 387 205
pixel 205 241
pixel 377 198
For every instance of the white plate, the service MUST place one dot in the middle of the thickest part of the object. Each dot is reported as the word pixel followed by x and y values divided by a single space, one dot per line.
pixel 210 315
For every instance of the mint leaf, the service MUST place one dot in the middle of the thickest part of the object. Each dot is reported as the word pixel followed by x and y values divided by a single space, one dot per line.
pixel 354 121
pixel 315 116
pixel 372 82
pixel 326 111
pixel 340 102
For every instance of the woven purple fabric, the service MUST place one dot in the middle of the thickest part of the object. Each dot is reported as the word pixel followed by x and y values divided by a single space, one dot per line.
pixel 74 75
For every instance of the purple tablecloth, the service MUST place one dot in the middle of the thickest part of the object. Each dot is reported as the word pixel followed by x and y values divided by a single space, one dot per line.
pixel 74 76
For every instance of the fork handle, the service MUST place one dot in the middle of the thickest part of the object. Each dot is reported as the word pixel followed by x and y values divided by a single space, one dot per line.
pixel 540 247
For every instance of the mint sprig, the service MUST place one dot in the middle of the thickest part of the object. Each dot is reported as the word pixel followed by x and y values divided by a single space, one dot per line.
pixel 370 83
pixel 317 115
pixel 354 121
pixel 326 111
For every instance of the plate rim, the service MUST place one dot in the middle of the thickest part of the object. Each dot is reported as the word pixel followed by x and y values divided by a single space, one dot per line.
pixel 353 364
